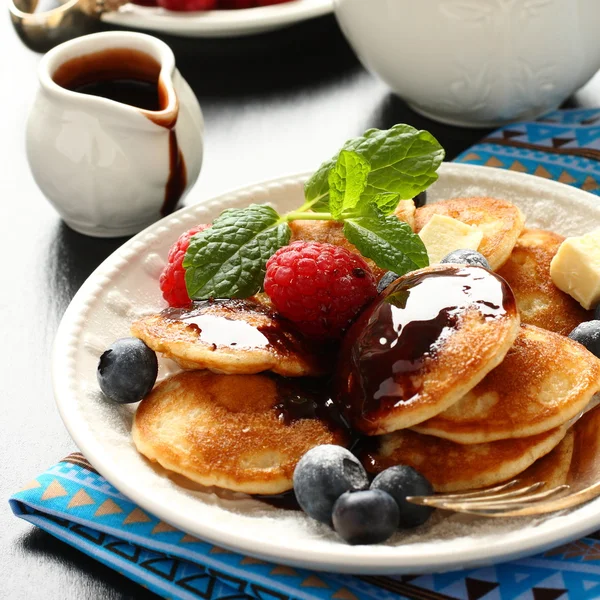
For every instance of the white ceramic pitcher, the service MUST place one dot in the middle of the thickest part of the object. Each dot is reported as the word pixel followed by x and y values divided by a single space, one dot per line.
pixel 477 62
pixel 110 168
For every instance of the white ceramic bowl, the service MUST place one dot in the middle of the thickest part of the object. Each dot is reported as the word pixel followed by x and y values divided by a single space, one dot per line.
pixel 476 62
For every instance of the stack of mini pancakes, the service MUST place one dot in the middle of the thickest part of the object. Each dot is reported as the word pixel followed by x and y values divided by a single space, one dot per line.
pixel 523 408
pixel 223 422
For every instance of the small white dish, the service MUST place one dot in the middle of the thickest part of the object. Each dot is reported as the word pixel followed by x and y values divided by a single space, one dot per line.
pixel 218 23
pixel 125 286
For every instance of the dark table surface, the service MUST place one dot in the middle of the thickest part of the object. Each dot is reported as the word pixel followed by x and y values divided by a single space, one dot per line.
pixel 274 105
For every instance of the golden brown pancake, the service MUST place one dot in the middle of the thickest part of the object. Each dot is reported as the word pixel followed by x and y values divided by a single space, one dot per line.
pixel 500 221
pixel 544 380
pixel 540 302
pixel 585 465
pixel 553 468
pixel 452 467
pixel 431 337
pixel 331 232
pixel 232 336
pixel 237 432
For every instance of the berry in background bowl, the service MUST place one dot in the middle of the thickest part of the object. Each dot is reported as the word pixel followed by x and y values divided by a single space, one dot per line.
pixel 204 5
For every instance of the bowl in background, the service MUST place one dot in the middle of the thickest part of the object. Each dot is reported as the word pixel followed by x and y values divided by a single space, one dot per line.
pixel 476 63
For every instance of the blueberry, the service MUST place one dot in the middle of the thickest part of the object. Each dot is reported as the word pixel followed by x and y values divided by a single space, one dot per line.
pixel 388 278
pixel 420 199
pixel 466 257
pixel 588 334
pixel 366 517
pixel 322 475
pixel 402 481
pixel 127 370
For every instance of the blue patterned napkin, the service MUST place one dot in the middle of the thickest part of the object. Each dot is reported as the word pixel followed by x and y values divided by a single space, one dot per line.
pixel 75 504
pixel 563 145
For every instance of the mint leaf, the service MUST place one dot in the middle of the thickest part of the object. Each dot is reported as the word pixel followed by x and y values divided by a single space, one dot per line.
pixel 389 242
pixel 228 259
pixel 347 181
pixel 386 202
pixel 403 160
pixel 398 298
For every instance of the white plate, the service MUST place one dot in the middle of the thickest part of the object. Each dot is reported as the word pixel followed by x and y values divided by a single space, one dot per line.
pixel 125 286
pixel 218 23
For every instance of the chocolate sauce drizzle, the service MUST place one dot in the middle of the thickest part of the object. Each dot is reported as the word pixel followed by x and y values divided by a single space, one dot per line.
pixel 386 350
pixel 242 324
pixel 304 398
pixel 308 398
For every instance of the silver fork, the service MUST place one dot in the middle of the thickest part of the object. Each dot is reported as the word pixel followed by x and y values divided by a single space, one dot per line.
pixel 505 501
pixel 526 497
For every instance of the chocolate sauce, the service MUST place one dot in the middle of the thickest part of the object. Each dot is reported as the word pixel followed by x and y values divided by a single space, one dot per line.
pixel 177 176
pixel 245 324
pixel 218 329
pixel 119 74
pixel 384 355
pixel 304 398
pixel 131 77
pixel 308 398
pixel 134 92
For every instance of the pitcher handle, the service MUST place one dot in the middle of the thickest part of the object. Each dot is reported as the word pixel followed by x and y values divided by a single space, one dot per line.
pixel 43 30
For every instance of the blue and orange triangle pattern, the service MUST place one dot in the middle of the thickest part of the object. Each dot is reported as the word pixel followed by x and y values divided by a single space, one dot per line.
pixel 77 505
pixel 563 145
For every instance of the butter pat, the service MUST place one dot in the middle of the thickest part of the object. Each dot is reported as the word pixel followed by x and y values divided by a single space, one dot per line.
pixel 575 269
pixel 442 235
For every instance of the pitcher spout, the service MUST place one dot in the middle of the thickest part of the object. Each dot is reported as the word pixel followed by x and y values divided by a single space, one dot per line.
pixel 168 101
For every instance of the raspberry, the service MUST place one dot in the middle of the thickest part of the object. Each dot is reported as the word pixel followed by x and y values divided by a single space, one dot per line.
pixel 172 279
pixel 235 4
pixel 321 287
pixel 188 5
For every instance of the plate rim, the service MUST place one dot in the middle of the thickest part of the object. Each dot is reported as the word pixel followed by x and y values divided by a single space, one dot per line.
pixel 350 559
pixel 219 22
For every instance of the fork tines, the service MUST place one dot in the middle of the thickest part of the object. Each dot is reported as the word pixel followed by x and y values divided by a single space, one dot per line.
pixel 494 501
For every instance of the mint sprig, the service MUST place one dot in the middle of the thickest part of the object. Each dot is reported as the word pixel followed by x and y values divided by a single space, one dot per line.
pixel 403 160
pixel 360 187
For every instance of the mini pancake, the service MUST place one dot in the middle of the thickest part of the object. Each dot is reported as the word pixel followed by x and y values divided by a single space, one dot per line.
pixel 431 337
pixel 501 223
pixel 553 468
pixel 331 232
pixel 239 432
pixel 545 380
pixel 452 467
pixel 540 302
pixel 232 336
